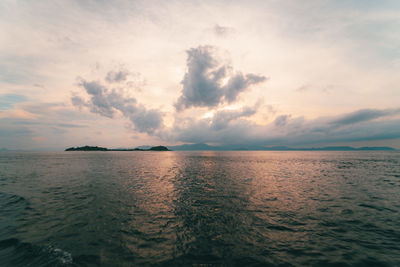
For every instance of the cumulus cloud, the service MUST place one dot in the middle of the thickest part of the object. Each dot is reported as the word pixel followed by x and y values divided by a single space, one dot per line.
pixel 208 82
pixel 107 102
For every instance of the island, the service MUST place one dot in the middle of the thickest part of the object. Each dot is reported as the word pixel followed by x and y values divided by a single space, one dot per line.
pixel 97 148
pixel 87 148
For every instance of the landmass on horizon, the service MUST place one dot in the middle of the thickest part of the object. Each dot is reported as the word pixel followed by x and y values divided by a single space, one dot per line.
pixel 206 147
pixel 97 148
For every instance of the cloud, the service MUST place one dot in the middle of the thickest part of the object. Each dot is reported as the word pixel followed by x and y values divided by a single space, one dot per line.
pixel 208 82
pixel 281 120
pixel 239 83
pixel 209 131
pixel 222 31
pixel 117 76
pixel 7 101
pixel 11 131
pixel 364 115
pixel 223 118
pixel 107 102
pixel 70 125
pixel 233 128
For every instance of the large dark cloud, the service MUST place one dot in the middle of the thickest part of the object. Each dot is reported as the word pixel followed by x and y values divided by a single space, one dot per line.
pixel 107 102
pixel 208 82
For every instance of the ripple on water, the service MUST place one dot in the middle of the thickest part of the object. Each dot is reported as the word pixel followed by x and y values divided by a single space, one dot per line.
pixel 200 209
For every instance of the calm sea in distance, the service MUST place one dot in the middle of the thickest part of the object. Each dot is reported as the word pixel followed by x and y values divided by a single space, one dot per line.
pixel 237 208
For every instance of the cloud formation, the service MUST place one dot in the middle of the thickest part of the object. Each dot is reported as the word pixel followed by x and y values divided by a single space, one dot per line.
pixel 223 118
pixel 281 120
pixel 107 102
pixel 233 128
pixel 364 115
pixel 208 82
pixel 117 76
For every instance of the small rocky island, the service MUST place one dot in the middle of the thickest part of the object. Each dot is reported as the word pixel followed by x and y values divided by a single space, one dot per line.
pixel 97 148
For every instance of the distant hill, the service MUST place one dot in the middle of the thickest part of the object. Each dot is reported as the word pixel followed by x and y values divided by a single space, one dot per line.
pixel 158 148
pixel 96 148
pixel 145 147
pixel 86 148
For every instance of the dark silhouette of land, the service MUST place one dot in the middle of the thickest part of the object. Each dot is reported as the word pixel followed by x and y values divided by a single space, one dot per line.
pixel 97 148
pixel 159 148
pixel 87 148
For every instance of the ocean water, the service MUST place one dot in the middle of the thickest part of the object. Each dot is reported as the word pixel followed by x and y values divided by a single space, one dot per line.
pixel 200 208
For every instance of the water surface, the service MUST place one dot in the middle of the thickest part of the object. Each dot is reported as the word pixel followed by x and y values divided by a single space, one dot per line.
pixel 200 208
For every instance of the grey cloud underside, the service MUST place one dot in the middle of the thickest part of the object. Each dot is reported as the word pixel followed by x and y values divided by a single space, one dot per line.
pixel 281 120
pixel 107 102
pixel 364 115
pixel 208 82
pixel 117 76
pixel 223 118
pixel 235 129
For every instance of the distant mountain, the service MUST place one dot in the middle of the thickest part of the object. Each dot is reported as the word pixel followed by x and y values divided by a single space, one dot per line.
pixel 205 147
pixel 144 147
pixel 158 148
pixel 377 148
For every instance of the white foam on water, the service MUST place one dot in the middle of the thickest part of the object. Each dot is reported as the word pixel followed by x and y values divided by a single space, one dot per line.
pixel 62 256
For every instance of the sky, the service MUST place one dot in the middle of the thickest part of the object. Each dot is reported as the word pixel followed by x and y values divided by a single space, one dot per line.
pixel 265 73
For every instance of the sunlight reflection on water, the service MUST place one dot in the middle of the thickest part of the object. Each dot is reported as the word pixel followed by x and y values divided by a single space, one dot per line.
pixel 190 208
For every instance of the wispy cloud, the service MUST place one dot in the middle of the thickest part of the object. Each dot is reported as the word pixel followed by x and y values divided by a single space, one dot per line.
pixel 7 101
pixel 223 31
pixel 364 115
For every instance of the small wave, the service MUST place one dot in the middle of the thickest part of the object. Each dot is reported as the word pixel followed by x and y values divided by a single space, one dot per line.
pixel 376 207
pixel 7 200
pixel 13 252
pixel 59 255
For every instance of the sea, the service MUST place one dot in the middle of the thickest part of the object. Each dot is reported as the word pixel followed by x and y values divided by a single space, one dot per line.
pixel 202 208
